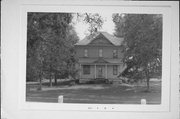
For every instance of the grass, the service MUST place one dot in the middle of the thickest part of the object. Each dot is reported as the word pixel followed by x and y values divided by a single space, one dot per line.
pixel 97 93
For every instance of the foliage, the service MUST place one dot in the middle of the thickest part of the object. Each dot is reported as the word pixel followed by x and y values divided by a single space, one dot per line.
pixel 50 37
pixel 142 43
pixel 94 20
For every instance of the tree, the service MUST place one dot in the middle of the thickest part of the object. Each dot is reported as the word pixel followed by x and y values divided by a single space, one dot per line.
pixel 48 44
pixel 142 44
pixel 94 20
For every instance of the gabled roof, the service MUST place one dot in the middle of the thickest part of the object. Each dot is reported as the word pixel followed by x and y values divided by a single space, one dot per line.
pixel 88 39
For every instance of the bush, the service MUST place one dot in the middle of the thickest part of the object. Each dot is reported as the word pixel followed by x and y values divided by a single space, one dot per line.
pixel 98 81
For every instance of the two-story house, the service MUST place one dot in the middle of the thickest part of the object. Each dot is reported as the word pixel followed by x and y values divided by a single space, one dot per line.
pixel 100 56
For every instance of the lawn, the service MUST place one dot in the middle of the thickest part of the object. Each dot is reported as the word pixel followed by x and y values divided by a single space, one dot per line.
pixel 96 93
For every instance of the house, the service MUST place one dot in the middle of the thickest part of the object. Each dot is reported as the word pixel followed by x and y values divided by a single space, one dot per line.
pixel 99 56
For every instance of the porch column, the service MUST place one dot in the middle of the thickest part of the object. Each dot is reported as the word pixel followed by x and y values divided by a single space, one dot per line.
pixel 119 69
pixel 95 70
pixel 80 71
pixel 106 71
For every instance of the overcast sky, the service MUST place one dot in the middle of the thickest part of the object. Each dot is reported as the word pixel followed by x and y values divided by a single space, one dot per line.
pixel 82 28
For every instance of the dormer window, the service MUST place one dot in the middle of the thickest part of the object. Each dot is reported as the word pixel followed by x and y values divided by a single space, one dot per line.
pixel 100 52
pixel 85 53
pixel 115 54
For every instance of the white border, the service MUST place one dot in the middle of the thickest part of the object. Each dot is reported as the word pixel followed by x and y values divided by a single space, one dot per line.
pixel 13 65
pixel 164 106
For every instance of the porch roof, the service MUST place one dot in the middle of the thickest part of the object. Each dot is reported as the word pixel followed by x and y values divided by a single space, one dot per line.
pixel 99 61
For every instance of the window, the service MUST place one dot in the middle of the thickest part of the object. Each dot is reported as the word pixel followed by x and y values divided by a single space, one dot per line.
pixel 85 53
pixel 115 70
pixel 115 54
pixel 86 69
pixel 100 52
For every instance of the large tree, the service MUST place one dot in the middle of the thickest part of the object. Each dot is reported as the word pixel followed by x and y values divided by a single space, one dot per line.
pixel 48 44
pixel 142 44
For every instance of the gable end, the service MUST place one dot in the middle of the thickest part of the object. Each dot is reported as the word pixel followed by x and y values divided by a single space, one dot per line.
pixel 101 40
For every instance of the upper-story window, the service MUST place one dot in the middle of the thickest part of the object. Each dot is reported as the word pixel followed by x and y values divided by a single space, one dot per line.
pixel 115 54
pixel 100 52
pixel 85 53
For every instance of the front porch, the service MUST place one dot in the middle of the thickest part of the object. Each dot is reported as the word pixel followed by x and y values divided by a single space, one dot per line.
pixel 100 68
pixel 99 71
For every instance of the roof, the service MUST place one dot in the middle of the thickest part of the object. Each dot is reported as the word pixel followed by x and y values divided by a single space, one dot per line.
pixel 100 60
pixel 88 39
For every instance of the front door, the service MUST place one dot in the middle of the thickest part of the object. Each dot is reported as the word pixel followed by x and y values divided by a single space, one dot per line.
pixel 100 71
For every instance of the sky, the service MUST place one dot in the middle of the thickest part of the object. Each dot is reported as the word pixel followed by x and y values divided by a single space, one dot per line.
pixel 82 28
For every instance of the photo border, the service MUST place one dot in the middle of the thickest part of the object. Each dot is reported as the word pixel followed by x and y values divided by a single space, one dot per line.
pixel 14 19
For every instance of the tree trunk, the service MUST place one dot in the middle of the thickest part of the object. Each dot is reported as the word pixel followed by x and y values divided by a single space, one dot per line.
pixel 148 87
pixel 50 81
pixel 40 82
pixel 55 79
pixel 147 81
